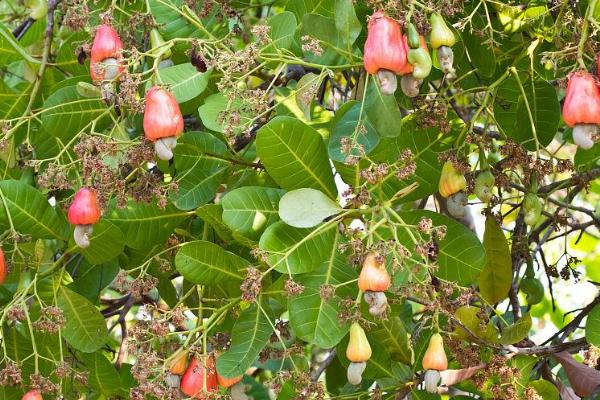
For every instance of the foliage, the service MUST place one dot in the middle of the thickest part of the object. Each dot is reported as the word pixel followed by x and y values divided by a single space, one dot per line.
pixel 244 243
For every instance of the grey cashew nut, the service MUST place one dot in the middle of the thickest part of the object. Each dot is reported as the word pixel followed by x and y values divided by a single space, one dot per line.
pixel 456 204
pixel 432 380
pixel 377 302
pixel 355 371
pixel 111 68
pixel 238 392
pixel 82 235
pixel 387 81
pixel 446 59
pixel 164 147
pixel 410 85
pixel 583 134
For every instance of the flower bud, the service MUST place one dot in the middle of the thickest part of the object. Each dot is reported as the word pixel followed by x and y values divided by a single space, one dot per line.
pixel 163 121
pixel 105 54
pixel 32 395
pixel 441 34
pixel 484 184
pixel 582 107
pixel 374 276
pixel 178 364
pixel 451 181
pixel 435 356
pixel 358 349
pixel 199 379
pixel 384 47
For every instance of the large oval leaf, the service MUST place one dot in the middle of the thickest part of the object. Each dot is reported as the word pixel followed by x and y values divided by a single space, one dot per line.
pixel 296 250
pixel 249 210
pixel 250 335
pixel 84 328
pixel 305 208
pixel 496 277
pixel 461 255
pixel 30 212
pixel 184 81
pixel 106 242
pixel 206 263
pixel 66 112
pixel 145 225
pixel 295 155
pixel 314 318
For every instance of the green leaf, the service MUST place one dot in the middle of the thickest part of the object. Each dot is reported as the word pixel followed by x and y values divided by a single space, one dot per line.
pixel 210 110
pixel 65 113
pixel 30 212
pixel 592 327
pixel 250 210
pixel 103 376
pixel 511 111
pixel 346 21
pixel 10 49
pixel 392 335
pixel 323 29
pixel 249 336
pixel 314 318
pixel 296 250
pixel 305 92
pixel 301 8
pixel 145 225
pixel 305 208
pixel 461 255
pixel 382 111
pixel 516 332
pixel 545 389
pixel 295 156
pixel 89 279
pixel 283 27
pixel 172 20
pixel 350 128
pixel 106 242
pixel 185 81
pixel 468 315
pixel 13 103
pixel 199 169
pixel 85 328
pixel 205 263
pixel 496 277
pixel 481 57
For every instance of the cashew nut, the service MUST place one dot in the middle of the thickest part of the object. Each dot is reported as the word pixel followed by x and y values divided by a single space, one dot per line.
pixel 387 81
pixel 238 392
pixel 445 59
pixel 82 235
pixel 172 380
pixel 355 371
pixel 111 68
pixel 410 85
pixel 432 380
pixel 456 204
pixel 377 302
pixel 164 147
pixel 583 134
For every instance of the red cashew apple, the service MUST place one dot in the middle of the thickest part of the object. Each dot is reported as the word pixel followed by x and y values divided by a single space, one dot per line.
pixel 32 395
pixel 199 379
pixel 581 109
pixel 374 280
pixel 384 52
pixel 163 121
pixel 106 50
pixel 3 271
pixel 84 212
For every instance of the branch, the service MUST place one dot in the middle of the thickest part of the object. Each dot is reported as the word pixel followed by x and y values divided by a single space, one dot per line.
pixel 314 376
